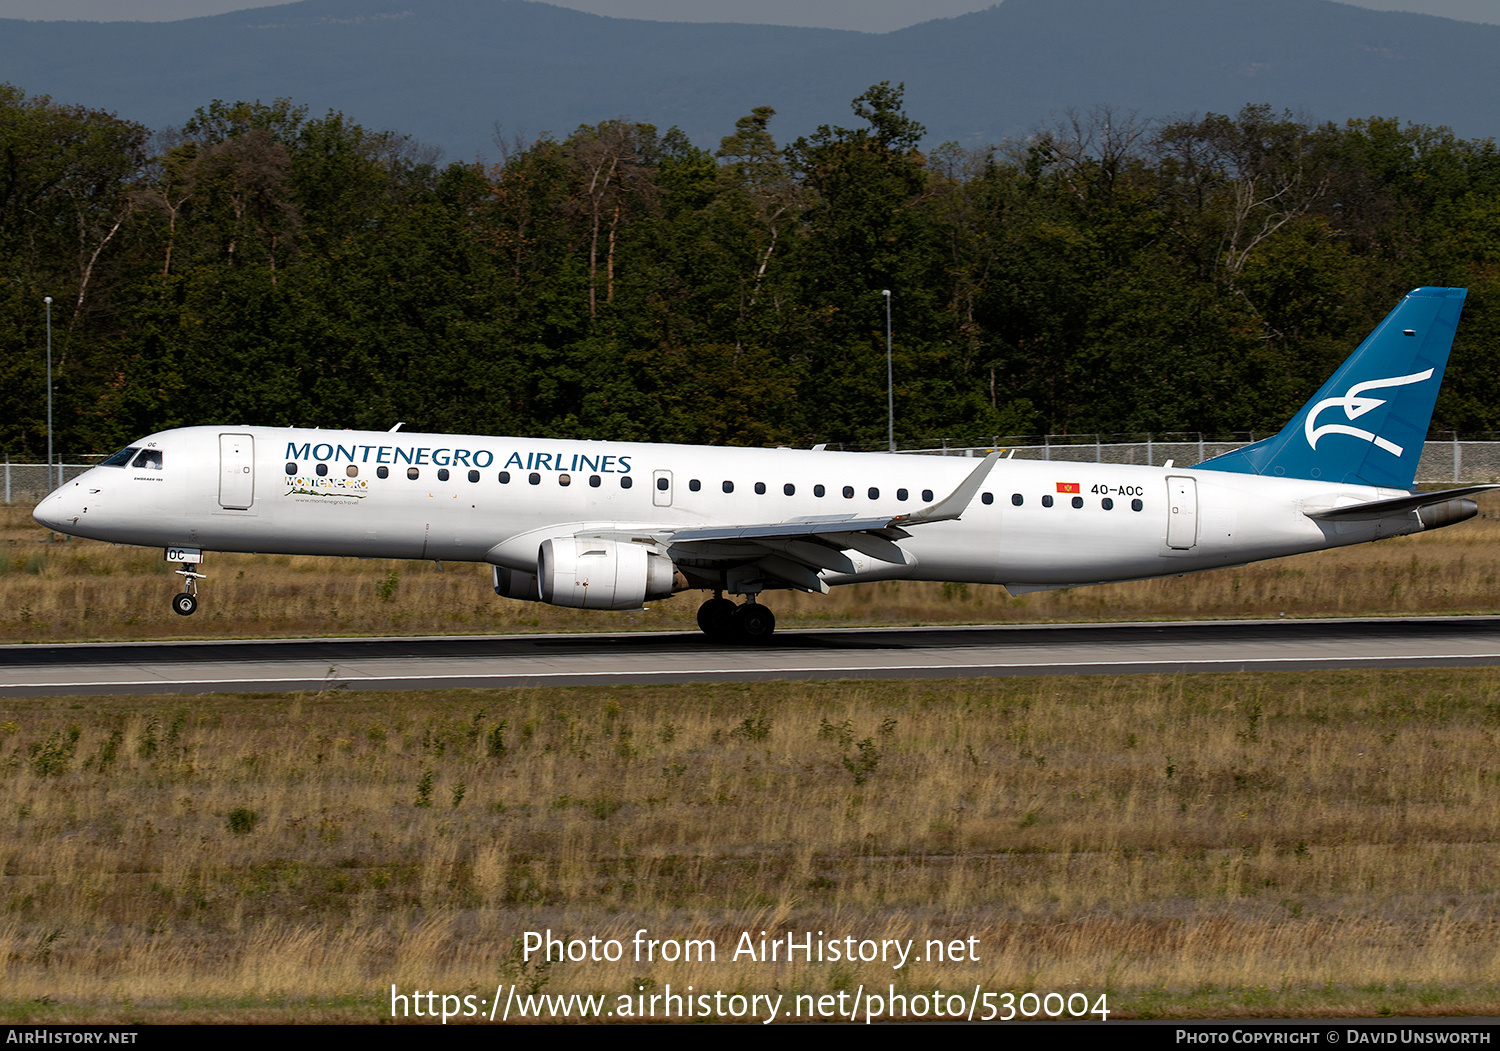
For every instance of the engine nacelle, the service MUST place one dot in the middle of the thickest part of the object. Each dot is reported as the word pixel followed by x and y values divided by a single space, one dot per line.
pixel 603 574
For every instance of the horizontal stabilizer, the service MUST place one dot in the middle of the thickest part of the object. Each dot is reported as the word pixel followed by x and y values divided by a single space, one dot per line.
pixel 1373 509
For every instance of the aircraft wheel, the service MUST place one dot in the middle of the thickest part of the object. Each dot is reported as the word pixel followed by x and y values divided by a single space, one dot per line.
pixel 716 618
pixel 754 622
pixel 184 604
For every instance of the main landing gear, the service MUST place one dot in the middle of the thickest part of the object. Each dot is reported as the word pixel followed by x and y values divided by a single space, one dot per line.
pixel 721 619
pixel 185 603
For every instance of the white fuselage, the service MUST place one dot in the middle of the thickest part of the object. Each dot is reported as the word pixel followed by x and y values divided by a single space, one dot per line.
pixel 259 489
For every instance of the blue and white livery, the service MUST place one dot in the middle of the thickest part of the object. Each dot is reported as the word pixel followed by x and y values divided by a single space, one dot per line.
pixel 611 525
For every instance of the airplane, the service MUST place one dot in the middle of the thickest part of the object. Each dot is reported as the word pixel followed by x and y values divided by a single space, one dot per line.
pixel 613 525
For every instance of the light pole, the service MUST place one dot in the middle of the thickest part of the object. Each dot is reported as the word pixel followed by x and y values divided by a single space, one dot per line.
pixel 48 301
pixel 890 389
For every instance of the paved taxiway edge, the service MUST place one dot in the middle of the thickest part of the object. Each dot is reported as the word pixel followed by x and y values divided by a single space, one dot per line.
pixel 339 679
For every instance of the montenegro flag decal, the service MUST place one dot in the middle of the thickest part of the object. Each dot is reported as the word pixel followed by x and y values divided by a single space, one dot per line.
pixel 1068 487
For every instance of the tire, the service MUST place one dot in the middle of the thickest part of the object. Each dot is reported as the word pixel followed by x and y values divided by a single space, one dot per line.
pixel 716 618
pixel 184 605
pixel 754 622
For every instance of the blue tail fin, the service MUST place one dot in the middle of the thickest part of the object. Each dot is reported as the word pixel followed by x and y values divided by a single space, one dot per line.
pixel 1366 425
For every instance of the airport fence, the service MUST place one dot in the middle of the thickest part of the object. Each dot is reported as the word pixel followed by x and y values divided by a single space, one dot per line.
pixel 1445 458
pixel 27 483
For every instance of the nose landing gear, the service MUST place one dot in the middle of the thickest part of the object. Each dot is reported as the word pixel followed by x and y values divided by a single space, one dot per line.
pixel 185 603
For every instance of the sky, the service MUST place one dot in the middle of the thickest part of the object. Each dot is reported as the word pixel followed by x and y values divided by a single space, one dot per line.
pixel 870 16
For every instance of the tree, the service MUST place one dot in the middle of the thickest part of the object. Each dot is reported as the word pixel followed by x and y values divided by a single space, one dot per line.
pixel 755 177
pixel 607 161
pixel 64 181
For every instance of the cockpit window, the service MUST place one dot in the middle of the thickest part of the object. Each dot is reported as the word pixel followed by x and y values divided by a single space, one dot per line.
pixel 150 458
pixel 121 458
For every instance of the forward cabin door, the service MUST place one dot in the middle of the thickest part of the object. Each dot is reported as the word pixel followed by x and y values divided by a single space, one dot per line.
pixel 236 471
pixel 1182 513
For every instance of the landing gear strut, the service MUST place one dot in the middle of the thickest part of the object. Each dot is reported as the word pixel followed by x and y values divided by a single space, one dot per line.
pixel 721 619
pixel 185 603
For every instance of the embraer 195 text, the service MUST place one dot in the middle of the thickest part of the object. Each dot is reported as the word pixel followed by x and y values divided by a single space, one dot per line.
pixel 606 525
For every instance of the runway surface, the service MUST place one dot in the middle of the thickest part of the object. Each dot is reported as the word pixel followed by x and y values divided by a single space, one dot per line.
pixel 659 657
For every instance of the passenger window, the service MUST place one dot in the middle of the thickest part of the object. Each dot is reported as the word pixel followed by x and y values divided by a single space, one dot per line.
pixel 291 468
pixel 902 495
pixel 1017 499
pixel 728 487
pixel 1136 505
pixel 694 485
pixel 442 474
pixel 1107 504
pixel 121 458
pixel 382 472
pixel 322 470
pixel 760 488
pixel 351 471
pixel 534 479
pixel 818 490
pixel 662 483
pixel 848 492
pixel 874 493
pixel 565 480
pixel 1077 501
pixel 626 482
pixel 987 498
pixel 149 458
pixel 594 480
pixel 473 476
pixel 504 477
pixel 1047 500
pixel 789 489
pixel 413 473
pixel 927 496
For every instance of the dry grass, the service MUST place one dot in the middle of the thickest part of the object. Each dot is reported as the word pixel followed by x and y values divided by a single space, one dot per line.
pixel 85 590
pixel 1211 845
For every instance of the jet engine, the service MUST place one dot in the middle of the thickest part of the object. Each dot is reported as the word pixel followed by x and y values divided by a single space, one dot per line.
pixel 603 574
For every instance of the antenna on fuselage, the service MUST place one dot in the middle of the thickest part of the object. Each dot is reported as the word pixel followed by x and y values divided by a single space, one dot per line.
pixel 396 428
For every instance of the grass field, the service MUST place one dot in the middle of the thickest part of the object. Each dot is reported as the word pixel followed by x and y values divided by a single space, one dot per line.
pixel 80 590
pixel 1314 844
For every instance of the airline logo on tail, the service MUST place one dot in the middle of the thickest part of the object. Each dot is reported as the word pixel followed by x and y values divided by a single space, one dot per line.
pixel 1355 405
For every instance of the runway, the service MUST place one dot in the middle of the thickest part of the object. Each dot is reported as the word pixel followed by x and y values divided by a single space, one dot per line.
pixel 631 658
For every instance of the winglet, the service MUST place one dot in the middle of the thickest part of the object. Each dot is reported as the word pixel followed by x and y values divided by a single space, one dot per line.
pixel 956 503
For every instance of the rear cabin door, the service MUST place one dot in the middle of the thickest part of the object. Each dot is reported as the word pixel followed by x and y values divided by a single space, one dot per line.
pixel 236 471
pixel 1182 513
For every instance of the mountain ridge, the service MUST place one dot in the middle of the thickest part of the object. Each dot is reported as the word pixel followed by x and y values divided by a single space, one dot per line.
pixel 446 72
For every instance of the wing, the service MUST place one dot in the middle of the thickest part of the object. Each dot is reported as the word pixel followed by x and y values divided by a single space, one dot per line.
pixel 794 553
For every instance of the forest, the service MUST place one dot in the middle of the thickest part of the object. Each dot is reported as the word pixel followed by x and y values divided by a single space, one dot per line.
pixel 262 265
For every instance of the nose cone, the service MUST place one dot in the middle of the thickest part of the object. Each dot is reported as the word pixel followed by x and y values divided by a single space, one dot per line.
pixel 55 512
